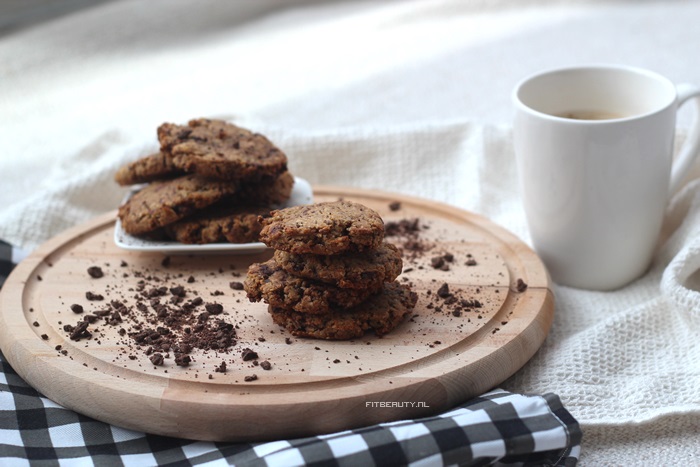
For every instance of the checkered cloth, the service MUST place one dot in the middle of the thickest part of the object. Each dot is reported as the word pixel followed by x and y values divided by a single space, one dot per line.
pixel 498 428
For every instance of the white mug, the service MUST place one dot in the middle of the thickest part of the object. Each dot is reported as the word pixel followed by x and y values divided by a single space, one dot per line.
pixel 594 150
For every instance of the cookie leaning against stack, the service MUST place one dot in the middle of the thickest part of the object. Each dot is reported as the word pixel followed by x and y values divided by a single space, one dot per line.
pixel 210 182
pixel 332 276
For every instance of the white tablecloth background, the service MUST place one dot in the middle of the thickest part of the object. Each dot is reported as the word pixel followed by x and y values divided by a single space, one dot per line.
pixel 410 96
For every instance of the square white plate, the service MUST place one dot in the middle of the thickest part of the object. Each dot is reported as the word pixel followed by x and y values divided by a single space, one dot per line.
pixel 301 194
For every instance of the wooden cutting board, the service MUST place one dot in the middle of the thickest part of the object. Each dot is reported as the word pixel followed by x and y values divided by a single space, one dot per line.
pixel 450 350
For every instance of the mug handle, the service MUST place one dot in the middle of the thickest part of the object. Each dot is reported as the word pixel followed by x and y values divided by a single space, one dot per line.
pixel 691 147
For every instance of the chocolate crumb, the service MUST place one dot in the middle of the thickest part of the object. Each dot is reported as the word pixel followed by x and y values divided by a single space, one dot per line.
pixel 221 368
pixel 80 331
pixel 444 291
pixel 166 262
pixel 35 324
pixel 520 286
pixel 95 272
pixel 395 206
pixel 250 378
pixel 214 308
pixel 182 360
pixel 236 285
pixel 157 359
pixel 471 262
pixel 287 340
pixel 266 365
pixel 77 309
pixel 437 262
pixel 93 296
pixel 248 354
pixel 45 337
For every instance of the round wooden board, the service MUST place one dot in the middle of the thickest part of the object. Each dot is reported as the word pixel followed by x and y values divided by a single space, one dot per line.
pixel 448 352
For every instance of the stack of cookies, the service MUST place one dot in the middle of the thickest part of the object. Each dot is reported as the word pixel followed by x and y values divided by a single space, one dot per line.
pixel 210 182
pixel 332 276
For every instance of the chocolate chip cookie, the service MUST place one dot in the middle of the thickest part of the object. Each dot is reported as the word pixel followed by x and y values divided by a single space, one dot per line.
pixel 324 228
pixel 219 224
pixel 221 150
pixel 157 166
pixel 269 282
pixel 381 313
pixel 163 202
pixel 268 190
pixel 348 271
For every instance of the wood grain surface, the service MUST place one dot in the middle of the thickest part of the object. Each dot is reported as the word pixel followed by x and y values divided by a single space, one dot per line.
pixel 448 351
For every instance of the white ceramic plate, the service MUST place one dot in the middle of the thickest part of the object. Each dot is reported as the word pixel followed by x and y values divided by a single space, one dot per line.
pixel 301 194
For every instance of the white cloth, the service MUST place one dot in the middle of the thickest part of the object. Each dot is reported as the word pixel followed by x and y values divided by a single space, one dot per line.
pixel 409 96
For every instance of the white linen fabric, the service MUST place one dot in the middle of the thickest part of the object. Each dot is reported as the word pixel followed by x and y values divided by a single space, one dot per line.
pixel 409 96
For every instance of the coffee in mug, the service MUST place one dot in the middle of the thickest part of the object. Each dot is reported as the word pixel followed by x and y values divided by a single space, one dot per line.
pixel 590 115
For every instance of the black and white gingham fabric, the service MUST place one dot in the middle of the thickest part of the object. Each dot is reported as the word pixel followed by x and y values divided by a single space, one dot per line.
pixel 498 428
